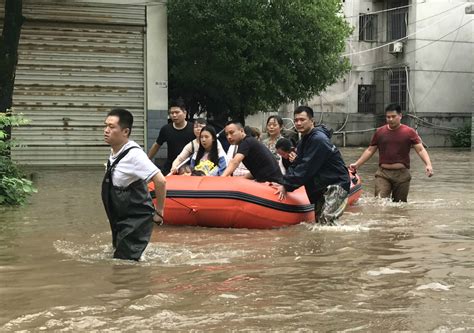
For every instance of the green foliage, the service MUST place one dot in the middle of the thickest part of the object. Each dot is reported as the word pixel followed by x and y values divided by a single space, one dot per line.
pixel 14 187
pixel 462 137
pixel 244 56
pixel 14 191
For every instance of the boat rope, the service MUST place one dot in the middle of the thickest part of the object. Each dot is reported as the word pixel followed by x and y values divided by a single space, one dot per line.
pixel 184 205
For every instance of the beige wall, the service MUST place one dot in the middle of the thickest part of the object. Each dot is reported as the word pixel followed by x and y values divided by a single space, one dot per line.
pixel 441 73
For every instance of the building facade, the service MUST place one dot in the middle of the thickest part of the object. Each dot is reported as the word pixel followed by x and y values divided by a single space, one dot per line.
pixel 79 59
pixel 418 53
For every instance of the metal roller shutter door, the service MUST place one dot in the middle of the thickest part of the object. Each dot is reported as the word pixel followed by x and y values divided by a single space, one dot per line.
pixel 76 62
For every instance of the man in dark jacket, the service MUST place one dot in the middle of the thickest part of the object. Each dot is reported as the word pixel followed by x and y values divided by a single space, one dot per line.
pixel 319 167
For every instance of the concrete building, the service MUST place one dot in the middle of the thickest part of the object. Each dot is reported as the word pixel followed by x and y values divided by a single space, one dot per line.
pixel 80 58
pixel 77 60
pixel 418 53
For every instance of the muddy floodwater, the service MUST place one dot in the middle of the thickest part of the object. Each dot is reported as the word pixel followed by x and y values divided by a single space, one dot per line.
pixel 389 266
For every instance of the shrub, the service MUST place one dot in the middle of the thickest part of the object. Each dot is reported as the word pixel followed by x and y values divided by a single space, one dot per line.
pixel 462 137
pixel 14 187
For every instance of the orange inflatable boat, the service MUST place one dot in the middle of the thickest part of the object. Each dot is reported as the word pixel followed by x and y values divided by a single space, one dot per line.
pixel 235 202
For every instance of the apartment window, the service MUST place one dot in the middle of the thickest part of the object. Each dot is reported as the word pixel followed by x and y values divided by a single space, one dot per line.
pixel 397 20
pixel 368 27
pixel 366 98
pixel 398 87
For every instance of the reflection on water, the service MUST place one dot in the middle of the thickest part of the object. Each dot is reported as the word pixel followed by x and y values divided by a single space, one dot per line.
pixel 389 266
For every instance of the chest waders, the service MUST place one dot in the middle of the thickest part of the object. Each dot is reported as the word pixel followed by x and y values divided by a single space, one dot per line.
pixel 130 212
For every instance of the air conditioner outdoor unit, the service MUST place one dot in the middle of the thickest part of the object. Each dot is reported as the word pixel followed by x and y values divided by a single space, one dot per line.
pixel 395 48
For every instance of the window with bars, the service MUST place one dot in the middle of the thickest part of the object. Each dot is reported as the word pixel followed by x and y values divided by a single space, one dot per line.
pixel 366 98
pixel 398 87
pixel 397 20
pixel 368 27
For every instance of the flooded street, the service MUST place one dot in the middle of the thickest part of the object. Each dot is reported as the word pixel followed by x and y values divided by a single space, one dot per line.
pixel 390 266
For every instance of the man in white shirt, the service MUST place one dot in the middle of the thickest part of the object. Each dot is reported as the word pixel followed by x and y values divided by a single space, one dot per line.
pixel 125 195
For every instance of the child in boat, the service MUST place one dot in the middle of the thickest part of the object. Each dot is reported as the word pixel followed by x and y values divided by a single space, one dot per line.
pixel 208 159
pixel 185 170
pixel 284 147
pixel 198 173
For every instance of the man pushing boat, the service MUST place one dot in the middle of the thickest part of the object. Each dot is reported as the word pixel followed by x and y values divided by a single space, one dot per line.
pixel 319 167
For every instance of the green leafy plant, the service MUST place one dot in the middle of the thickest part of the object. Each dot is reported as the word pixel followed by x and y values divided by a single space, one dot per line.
pixel 238 57
pixel 14 191
pixel 14 187
pixel 462 137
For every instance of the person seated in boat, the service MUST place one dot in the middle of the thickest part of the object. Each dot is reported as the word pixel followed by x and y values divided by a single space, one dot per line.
pixel 241 170
pixel 198 173
pixel 273 133
pixel 207 158
pixel 285 149
pixel 192 147
pixel 252 153
pixel 253 131
pixel 185 170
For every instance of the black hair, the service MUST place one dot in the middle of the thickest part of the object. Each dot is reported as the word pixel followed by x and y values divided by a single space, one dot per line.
pixel 304 108
pixel 184 169
pixel 252 131
pixel 213 154
pixel 284 144
pixel 277 118
pixel 200 121
pixel 234 122
pixel 177 103
pixel 197 173
pixel 125 118
pixel 394 107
